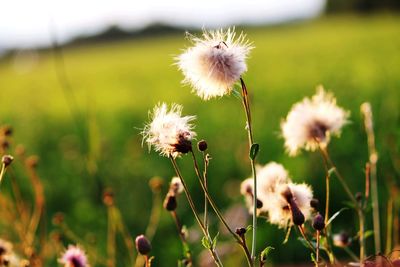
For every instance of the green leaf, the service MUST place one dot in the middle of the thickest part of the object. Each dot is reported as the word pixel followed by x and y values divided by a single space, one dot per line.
pixel 330 171
pixel 214 241
pixel 254 150
pixel 205 242
pixel 287 235
pixel 368 234
pixel 265 253
pixel 335 215
pixel 313 258
pixel 249 228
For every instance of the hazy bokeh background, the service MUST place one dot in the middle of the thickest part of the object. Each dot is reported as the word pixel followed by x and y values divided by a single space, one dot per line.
pixel 77 79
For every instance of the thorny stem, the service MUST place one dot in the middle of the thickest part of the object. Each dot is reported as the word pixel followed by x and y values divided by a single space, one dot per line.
pixel 218 212
pixel 246 105
pixel 193 207
pixel 182 236
pixel 373 158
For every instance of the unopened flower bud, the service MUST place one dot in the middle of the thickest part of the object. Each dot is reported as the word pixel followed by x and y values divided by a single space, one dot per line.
pixel 7 160
pixel 287 194
pixel 241 231
pixel 143 245
pixel 297 215
pixel 259 204
pixel 170 202
pixel 108 197
pixel 6 130
pixel 202 145
pixel 318 222
pixel 32 161
pixel 314 203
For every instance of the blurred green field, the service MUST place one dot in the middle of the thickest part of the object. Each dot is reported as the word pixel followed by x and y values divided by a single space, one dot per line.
pixel 115 84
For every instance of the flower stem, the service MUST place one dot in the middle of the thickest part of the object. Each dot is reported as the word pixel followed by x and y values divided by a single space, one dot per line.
pixel 317 256
pixel 205 162
pixel 193 207
pixel 2 172
pixel 362 240
pixel 246 105
pixel 218 212
pixel 178 224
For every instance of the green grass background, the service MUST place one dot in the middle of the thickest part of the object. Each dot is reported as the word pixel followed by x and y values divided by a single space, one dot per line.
pixel 115 84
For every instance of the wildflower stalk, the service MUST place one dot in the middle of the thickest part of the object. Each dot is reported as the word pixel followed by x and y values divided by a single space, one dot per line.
pixel 111 231
pixel 246 105
pixel 389 227
pixel 332 166
pixel 185 244
pixel 2 172
pixel 373 158
pixel 205 162
pixel 193 207
pixel 219 214
pixel 317 255
pixel 361 236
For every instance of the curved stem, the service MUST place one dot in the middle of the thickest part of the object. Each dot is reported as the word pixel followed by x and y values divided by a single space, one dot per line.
pixel 246 105
pixel 193 207
pixel 185 244
pixel 218 212
pixel 205 196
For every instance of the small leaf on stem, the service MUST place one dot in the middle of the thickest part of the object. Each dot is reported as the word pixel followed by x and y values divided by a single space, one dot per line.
pixel 254 150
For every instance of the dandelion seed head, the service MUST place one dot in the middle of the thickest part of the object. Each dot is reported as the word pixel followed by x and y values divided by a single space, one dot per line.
pixel 312 121
pixel 247 190
pixel 215 62
pixel 168 132
pixel 74 256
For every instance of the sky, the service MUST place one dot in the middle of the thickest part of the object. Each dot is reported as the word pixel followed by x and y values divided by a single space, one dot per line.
pixel 27 23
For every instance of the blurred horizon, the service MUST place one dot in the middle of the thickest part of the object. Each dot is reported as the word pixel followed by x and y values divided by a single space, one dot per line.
pixel 34 25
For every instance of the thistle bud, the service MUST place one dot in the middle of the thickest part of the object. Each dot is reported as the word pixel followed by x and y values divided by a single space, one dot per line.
pixel 170 202
pixel 183 145
pixel 259 204
pixel 143 245
pixel 297 215
pixel 7 160
pixel 318 222
pixel 108 197
pixel 241 231
pixel 202 145
pixel 314 203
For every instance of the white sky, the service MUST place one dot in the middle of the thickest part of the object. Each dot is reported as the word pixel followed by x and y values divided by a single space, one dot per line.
pixel 26 23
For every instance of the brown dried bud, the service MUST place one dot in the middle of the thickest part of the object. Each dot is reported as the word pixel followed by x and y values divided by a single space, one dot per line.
pixel 32 161
pixel 202 145
pixel 58 218
pixel 6 130
pixel 156 183
pixel 184 145
pixel 7 160
pixel 318 222
pixel 287 194
pixel 314 203
pixel 297 215
pixel 4 144
pixel 241 231
pixel 143 245
pixel 108 197
pixel 259 204
pixel 170 202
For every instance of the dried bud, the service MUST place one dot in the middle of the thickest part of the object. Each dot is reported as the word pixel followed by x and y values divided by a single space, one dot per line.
pixel 202 145
pixel 6 130
pixel 241 231
pixel 156 183
pixel 318 222
pixel 170 202
pixel 58 218
pixel 7 160
pixel 143 245
pixel 287 194
pixel 32 161
pixel 314 203
pixel 108 197
pixel 297 215
pixel 259 204
pixel 341 240
pixel 4 144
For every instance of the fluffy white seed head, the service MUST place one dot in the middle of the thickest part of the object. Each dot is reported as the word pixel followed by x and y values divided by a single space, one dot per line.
pixel 215 62
pixel 247 191
pixel 176 185
pixel 279 211
pixel 168 132
pixel 312 121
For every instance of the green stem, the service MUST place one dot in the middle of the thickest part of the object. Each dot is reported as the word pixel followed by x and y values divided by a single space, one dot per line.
pixel 2 172
pixel 205 196
pixel 178 225
pixel 362 240
pixel 246 105
pixel 217 211
pixel 193 207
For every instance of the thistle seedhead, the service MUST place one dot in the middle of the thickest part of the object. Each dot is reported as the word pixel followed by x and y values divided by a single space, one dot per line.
pixel 170 202
pixel 7 160
pixel 202 145
pixel 318 222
